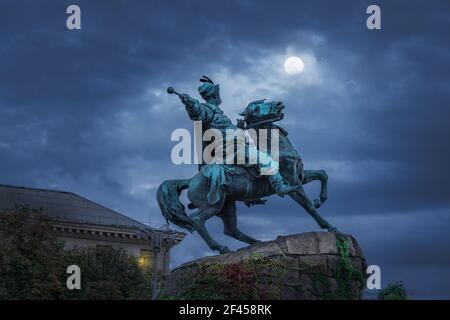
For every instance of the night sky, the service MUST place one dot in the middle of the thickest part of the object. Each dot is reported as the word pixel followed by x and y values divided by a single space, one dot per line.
pixel 86 111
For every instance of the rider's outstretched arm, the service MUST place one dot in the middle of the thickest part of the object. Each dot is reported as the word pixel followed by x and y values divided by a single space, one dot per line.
pixel 196 110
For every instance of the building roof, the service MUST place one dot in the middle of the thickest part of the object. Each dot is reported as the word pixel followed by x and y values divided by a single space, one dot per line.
pixel 64 206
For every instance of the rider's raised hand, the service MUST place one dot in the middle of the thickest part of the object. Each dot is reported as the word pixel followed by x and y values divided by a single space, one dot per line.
pixel 186 99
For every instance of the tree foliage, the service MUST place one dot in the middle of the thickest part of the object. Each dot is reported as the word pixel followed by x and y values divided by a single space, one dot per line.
pixel 108 273
pixel 33 264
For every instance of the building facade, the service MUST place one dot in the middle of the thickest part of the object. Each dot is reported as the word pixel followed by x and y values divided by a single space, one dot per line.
pixel 83 223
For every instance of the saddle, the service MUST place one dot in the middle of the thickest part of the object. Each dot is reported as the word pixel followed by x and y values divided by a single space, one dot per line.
pixel 252 174
pixel 250 171
pixel 220 178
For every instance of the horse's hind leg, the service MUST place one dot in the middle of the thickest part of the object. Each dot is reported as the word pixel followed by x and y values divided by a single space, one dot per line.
pixel 199 218
pixel 321 175
pixel 301 198
pixel 228 216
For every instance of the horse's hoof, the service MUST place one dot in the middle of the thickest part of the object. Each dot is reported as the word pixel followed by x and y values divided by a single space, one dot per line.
pixel 317 203
pixel 223 250
pixel 334 229
pixel 191 206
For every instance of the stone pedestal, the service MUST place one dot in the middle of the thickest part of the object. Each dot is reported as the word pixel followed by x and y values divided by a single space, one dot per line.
pixel 312 266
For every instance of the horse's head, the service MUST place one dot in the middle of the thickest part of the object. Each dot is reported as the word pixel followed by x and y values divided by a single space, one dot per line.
pixel 260 111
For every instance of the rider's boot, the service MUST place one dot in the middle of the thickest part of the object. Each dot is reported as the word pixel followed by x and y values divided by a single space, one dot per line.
pixel 280 186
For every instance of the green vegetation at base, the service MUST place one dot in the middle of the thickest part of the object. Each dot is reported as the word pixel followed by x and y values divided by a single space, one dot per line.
pixel 394 291
pixel 256 278
pixel 346 273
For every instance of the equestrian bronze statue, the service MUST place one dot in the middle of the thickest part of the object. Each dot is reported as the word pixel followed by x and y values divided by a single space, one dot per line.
pixel 214 190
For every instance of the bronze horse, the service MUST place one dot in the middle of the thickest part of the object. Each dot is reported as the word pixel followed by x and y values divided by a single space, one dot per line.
pixel 240 185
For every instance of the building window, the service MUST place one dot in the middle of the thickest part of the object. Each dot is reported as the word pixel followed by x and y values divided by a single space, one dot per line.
pixel 145 258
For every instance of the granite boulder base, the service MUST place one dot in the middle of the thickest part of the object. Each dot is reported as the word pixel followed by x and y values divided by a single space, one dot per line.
pixel 316 265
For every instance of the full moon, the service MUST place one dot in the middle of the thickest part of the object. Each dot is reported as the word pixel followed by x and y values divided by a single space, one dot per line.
pixel 293 66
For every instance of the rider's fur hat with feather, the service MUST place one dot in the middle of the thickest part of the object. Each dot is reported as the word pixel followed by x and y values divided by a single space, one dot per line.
pixel 209 89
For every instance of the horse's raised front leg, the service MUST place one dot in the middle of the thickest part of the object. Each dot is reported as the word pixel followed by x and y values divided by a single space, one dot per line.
pixel 301 198
pixel 321 175
pixel 199 218
pixel 228 216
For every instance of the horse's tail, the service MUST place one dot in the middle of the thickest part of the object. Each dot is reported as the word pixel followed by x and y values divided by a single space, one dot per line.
pixel 169 202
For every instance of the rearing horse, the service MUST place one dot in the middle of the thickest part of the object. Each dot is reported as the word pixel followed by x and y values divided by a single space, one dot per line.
pixel 233 183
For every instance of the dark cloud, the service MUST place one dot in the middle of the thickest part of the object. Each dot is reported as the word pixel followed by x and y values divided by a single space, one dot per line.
pixel 86 111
